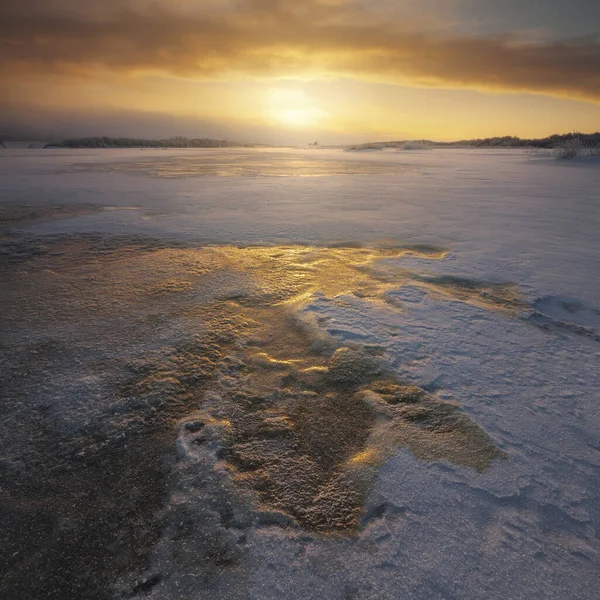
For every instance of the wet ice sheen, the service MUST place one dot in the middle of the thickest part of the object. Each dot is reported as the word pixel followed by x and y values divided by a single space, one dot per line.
pixel 505 325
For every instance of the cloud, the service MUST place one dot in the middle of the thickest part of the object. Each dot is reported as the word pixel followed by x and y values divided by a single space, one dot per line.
pixel 279 38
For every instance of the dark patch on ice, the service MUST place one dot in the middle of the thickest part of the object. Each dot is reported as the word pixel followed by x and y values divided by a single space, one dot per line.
pixel 380 511
pixel 489 294
pixel 395 394
pixel 21 215
pixel 282 413
pixel 18 215
pixel 145 585
pixel 425 250
pixel 82 510
pixel 14 251
pixel 550 324
pixel 306 431
pixel 568 315
pixel 16 248
pixel 72 523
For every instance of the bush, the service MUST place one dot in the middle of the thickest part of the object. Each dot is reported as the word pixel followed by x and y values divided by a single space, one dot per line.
pixel 569 149
pixel 575 148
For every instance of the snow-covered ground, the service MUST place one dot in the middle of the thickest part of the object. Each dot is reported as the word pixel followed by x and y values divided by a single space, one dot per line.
pixel 526 527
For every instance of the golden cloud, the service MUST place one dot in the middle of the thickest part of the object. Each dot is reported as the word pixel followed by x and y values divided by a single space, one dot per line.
pixel 278 38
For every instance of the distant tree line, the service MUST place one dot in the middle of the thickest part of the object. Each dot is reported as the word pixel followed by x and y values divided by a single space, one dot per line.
pixel 174 142
pixel 553 141
pixel 588 140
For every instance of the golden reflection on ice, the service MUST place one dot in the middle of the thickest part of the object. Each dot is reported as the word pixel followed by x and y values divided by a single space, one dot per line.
pixel 244 165
pixel 302 420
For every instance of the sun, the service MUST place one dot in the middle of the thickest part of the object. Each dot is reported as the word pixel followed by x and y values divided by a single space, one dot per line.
pixel 294 108
pixel 300 117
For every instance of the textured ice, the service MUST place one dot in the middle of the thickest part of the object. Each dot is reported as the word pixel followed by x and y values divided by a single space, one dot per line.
pixel 502 322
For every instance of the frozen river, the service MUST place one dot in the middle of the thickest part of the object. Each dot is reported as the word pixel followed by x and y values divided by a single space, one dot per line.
pixel 286 373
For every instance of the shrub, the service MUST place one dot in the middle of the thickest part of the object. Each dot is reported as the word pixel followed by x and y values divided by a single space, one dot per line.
pixel 574 147
pixel 569 149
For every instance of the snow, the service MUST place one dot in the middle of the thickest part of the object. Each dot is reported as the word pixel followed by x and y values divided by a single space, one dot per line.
pixel 529 526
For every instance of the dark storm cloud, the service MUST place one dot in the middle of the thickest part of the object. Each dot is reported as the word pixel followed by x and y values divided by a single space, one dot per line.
pixel 277 37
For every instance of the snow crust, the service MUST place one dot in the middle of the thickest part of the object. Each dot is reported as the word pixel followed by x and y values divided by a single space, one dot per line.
pixel 529 526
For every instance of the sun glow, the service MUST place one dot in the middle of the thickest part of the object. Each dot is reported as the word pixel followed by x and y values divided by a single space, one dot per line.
pixel 294 108
pixel 300 117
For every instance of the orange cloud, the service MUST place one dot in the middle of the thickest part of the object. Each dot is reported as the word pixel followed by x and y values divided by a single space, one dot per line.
pixel 277 38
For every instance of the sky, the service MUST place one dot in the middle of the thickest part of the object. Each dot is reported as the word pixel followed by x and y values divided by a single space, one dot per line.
pixel 296 71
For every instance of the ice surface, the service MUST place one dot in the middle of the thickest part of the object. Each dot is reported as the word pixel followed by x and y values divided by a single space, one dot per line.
pixel 505 323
